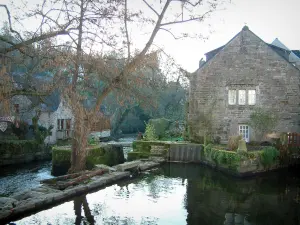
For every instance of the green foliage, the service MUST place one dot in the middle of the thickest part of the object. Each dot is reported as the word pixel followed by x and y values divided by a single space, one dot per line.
pixel 108 155
pixel 269 156
pixel 262 121
pixel 160 126
pixel 60 155
pixel 145 146
pixel 18 147
pixel 150 134
pixel 172 139
pixel 207 150
pixel 233 142
pixel 40 132
pixel 92 140
pixel 229 158
pixel 21 130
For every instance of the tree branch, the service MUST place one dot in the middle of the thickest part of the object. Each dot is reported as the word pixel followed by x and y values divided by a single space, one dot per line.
pixel 126 30
pixel 32 40
pixel 151 7
pixel 176 38
pixel 135 60
pixel 200 18
pixel 9 21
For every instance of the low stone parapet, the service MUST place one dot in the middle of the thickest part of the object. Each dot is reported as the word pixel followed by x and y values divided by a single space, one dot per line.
pixel 128 165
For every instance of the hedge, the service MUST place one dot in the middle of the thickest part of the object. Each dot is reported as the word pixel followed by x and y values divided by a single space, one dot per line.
pixel 18 147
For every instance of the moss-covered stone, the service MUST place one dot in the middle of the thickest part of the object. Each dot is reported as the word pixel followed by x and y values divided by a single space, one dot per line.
pixel 145 146
pixel 241 162
pixel 108 154
pixel 137 155
pixel 22 151
pixel 142 149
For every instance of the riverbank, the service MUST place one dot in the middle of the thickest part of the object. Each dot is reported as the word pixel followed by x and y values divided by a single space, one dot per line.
pixel 45 196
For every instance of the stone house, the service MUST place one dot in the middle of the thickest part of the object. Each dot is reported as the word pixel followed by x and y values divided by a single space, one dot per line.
pixel 55 112
pixel 238 77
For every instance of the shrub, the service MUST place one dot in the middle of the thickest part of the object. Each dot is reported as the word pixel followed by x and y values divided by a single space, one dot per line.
pixel 233 142
pixel 269 156
pixel 92 140
pixel 262 121
pixel 150 134
pixel 160 125
pixel 21 130
pixel 217 140
pixel 207 150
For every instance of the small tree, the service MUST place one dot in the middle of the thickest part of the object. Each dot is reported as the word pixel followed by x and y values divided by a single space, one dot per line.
pixel 263 121
pixel 150 134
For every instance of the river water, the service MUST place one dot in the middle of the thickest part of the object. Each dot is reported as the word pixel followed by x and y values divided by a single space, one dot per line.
pixel 184 194
pixel 17 178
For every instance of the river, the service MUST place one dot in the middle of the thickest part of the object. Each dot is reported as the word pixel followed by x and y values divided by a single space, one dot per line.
pixel 17 178
pixel 184 194
pixel 21 177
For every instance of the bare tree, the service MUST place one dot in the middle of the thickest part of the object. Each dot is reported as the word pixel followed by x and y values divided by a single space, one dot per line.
pixel 93 24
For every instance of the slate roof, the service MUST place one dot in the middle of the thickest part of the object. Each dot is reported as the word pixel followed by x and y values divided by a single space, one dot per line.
pixel 279 49
pixel 51 102
pixel 296 52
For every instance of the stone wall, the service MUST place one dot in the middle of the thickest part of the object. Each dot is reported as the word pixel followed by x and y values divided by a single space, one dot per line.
pixel 246 62
pixel 185 152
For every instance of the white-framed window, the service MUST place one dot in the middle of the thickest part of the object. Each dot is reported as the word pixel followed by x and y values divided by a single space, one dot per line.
pixel 244 132
pixel 242 97
pixel 251 97
pixel 63 124
pixel 232 97
pixel 60 124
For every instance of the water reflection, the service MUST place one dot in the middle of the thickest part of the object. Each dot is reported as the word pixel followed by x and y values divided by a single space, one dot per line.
pixel 184 194
pixel 79 203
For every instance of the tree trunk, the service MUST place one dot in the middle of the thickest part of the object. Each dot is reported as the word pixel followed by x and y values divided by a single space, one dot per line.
pixel 79 143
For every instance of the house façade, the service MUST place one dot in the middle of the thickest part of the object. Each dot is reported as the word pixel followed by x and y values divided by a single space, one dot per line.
pixel 244 74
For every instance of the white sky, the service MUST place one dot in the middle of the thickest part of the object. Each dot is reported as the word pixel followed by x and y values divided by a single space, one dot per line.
pixel 266 18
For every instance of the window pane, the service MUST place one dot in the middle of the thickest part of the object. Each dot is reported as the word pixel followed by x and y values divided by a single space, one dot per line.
pixel 244 132
pixel 251 97
pixel 242 97
pixel 232 97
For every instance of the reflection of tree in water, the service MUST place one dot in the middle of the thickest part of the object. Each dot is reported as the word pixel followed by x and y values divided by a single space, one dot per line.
pixel 153 183
pixel 81 202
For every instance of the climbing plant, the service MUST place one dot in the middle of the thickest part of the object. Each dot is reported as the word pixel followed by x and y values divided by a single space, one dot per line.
pixel 263 121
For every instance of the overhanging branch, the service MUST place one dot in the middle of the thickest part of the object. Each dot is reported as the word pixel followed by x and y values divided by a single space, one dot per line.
pixel 9 21
pixel 200 18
